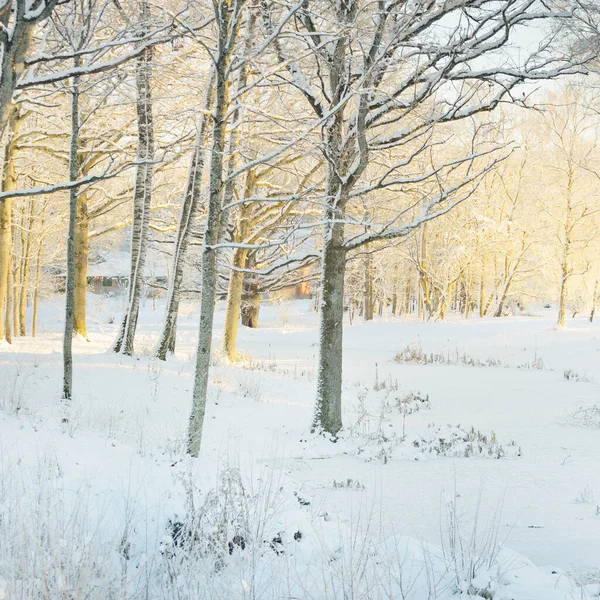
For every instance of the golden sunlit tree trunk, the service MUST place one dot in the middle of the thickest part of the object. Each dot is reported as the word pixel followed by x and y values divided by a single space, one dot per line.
pixel 9 182
pixel 81 244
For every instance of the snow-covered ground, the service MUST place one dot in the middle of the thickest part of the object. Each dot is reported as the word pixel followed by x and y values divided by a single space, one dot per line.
pixel 407 479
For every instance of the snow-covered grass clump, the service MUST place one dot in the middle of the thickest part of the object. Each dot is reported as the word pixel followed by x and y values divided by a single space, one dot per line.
pixel 384 444
pixel 413 353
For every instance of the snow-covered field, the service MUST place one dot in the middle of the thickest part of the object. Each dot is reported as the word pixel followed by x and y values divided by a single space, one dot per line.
pixel 98 500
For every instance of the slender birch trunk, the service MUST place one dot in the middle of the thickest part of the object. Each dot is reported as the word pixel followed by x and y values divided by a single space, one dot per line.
pixel 26 266
pixel 70 284
pixel 562 296
pixel 228 26
pixel 189 211
pixel 142 196
pixel 565 271
pixel 7 324
pixel 423 278
pixel 36 289
pixel 16 282
pixel 482 288
pixel 368 299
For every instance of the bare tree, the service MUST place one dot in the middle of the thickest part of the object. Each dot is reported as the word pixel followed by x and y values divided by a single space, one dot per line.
pixel 9 182
pixel 228 19
pixel 142 197
pixel 387 75
pixel 187 216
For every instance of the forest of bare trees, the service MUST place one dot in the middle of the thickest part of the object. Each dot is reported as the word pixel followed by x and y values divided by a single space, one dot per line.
pixel 421 158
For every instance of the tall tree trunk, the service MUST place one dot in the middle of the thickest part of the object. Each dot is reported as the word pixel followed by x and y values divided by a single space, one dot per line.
pixel 26 263
pixel 328 411
pixel 228 26
pixel 562 296
pixel 36 289
pixel 70 284
pixel 187 215
pixel 234 304
pixel 251 296
pixel 81 264
pixel 328 405
pixel 8 311
pixel 9 182
pixel 467 289
pixel 142 196
pixel 594 301
pixel 368 299
pixel 482 288
pixel 407 296
pixel 565 272
pixel 423 278
pixel 236 277
pixel 16 260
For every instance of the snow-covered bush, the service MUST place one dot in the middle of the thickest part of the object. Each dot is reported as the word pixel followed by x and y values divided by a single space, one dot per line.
pixel 411 403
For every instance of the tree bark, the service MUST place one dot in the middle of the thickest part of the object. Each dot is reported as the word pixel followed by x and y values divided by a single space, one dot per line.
pixel 234 303
pixel 9 182
pixel 189 211
pixel 594 301
pixel 26 262
pixel 36 289
pixel 423 278
pixel 8 311
pixel 328 410
pixel 81 244
pixel 228 25
pixel 16 279
pixel 251 296
pixel 482 289
pixel 562 296
pixel 142 196
pixel 368 299
pixel 70 284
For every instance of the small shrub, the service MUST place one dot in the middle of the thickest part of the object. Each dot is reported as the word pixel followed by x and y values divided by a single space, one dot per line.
pixel 348 484
pixel 585 496
pixel 454 441
pixel 571 375
pixel 412 402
